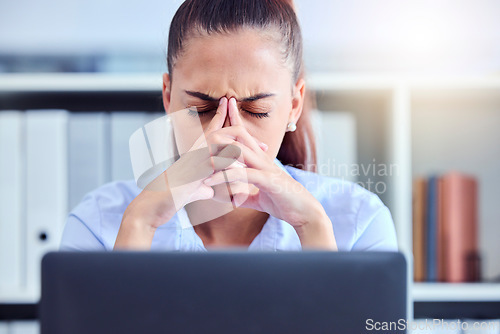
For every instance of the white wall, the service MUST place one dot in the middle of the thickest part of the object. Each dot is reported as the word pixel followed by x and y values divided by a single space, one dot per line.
pixel 355 35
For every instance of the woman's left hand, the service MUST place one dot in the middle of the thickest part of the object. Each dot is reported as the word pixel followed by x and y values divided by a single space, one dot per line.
pixel 277 192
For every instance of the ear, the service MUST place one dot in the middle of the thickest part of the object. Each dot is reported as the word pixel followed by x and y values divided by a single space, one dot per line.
pixel 298 94
pixel 166 91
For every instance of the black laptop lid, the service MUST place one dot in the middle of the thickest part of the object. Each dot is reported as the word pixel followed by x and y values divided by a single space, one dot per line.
pixel 221 292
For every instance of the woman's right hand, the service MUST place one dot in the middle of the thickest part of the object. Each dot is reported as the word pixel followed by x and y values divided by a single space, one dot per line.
pixel 181 184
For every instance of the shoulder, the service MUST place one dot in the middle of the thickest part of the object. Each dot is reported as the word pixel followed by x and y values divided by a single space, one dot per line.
pixel 360 219
pixel 99 215
pixel 113 197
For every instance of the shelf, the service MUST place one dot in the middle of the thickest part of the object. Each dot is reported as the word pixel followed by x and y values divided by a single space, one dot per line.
pixel 19 296
pixel 80 82
pixel 339 82
pixel 315 81
pixel 456 292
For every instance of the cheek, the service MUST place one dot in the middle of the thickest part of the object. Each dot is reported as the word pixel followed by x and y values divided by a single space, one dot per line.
pixel 187 129
pixel 269 131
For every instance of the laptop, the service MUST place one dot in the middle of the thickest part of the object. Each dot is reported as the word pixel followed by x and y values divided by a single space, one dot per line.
pixel 231 291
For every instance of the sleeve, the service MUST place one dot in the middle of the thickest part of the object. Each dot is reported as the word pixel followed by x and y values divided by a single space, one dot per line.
pixel 77 236
pixel 82 231
pixel 375 227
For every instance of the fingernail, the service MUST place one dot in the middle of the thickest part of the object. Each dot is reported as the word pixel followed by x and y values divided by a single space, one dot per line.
pixel 239 164
pixel 264 147
pixel 221 100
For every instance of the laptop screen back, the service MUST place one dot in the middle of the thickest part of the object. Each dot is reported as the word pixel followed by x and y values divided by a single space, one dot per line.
pixel 222 292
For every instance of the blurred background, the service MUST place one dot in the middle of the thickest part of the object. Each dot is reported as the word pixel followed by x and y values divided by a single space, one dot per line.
pixel 343 36
pixel 406 98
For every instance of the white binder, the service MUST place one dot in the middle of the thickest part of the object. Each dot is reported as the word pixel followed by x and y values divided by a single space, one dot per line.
pixel 88 154
pixel 46 187
pixel 24 327
pixel 11 203
pixel 123 125
pixel 335 133
pixel 4 327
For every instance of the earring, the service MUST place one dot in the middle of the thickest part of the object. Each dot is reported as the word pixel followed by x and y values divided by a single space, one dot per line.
pixel 291 127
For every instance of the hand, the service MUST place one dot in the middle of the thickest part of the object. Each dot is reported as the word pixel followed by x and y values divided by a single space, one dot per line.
pixel 180 184
pixel 277 193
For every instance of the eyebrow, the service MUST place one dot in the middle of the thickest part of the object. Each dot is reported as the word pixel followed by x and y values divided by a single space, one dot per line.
pixel 206 97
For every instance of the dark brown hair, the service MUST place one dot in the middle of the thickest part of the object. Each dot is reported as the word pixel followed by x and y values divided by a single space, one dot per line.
pixel 223 16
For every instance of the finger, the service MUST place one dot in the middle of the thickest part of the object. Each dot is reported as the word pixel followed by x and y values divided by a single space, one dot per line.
pixel 203 192
pixel 224 192
pixel 189 193
pixel 227 156
pixel 263 146
pixel 240 134
pixel 237 164
pixel 229 151
pixel 241 195
pixel 236 151
pixel 221 163
pixel 245 200
pixel 216 123
pixel 234 115
pixel 235 120
pixel 182 171
pixel 262 180
pixel 220 116
pixel 199 164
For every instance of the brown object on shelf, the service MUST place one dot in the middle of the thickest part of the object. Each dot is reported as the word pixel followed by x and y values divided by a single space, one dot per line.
pixel 473 267
pixel 441 239
pixel 419 229
pixel 459 228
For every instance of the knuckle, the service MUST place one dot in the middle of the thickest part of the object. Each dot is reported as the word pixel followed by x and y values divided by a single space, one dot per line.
pixel 211 137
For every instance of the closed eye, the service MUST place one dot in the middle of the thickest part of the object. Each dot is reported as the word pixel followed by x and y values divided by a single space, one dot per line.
pixel 205 112
pixel 258 114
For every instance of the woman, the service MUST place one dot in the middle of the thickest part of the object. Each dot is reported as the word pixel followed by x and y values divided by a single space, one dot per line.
pixel 237 67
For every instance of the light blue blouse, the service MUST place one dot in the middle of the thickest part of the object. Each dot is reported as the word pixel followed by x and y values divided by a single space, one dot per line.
pixel 361 222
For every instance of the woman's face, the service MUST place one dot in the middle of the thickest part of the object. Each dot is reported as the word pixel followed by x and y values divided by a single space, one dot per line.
pixel 243 65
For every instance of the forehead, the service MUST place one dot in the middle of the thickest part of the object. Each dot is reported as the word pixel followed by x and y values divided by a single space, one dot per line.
pixel 243 60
